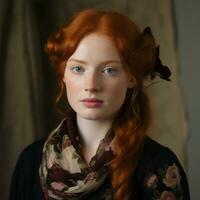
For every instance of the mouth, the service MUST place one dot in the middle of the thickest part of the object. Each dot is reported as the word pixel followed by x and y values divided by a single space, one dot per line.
pixel 92 102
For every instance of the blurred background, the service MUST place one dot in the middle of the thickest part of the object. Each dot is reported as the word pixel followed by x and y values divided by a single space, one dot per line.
pixel 28 83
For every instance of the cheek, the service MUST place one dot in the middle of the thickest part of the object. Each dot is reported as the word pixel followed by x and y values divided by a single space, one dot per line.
pixel 72 88
pixel 118 93
pixel 118 88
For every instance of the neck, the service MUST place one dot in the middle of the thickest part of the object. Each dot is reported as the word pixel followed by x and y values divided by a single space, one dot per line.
pixel 92 131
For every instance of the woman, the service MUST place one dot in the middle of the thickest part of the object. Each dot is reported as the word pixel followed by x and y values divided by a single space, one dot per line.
pixel 100 150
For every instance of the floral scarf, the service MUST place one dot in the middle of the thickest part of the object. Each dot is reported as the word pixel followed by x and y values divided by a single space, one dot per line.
pixel 63 172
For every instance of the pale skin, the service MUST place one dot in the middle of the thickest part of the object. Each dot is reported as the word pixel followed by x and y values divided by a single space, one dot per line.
pixel 95 70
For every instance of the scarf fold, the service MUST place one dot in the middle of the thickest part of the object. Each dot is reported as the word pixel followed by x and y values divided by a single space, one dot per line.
pixel 64 174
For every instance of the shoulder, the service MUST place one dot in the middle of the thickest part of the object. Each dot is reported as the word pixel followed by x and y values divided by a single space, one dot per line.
pixel 154 150
pixel 157 158
pixel 32 152
pixel 34 147
pixel 29 159
pixel 162 173
pixel 25 178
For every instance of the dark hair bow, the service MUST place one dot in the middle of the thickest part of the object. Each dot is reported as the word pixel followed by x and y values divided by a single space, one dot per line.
pixel 164 71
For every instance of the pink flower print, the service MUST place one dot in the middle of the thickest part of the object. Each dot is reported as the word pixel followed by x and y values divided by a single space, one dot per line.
pixel 66 143
pixel 172 176
pixel 151 181
pixel 58 186
pixel 167 195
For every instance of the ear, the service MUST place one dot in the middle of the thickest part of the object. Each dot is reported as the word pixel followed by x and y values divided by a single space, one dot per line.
pixel 131 82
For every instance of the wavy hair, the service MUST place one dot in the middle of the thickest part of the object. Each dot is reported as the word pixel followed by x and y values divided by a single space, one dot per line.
pixel 137 53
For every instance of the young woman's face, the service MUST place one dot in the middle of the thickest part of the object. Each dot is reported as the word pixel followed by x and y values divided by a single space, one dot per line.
pixel 96 82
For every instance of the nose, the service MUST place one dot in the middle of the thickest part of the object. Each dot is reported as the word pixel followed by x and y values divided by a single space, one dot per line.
pixel 92 82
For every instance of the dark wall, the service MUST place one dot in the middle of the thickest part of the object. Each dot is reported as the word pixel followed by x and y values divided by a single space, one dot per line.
pixel 188 29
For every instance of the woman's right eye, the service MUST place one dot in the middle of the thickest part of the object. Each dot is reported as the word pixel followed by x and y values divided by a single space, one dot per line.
pixel 77 69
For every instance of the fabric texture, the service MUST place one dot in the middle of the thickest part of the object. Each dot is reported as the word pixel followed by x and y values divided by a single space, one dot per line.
pixel 63 172
pixel 149 180
pixel 158 175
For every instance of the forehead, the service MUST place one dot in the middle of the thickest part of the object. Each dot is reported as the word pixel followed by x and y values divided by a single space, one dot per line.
pixel 96 47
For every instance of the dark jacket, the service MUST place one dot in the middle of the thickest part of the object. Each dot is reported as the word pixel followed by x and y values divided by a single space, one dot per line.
pixel 151 179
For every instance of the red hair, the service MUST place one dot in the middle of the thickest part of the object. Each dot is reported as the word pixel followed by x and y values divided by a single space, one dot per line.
pixel 137 53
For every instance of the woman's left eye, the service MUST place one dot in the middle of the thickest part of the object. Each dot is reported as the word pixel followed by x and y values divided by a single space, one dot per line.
pixel 109 70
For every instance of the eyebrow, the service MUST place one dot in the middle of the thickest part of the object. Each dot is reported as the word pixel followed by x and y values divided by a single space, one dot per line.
pixel 104 62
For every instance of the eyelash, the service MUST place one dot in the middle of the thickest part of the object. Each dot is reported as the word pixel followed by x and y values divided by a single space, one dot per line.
pixel 110 68
pixel 75 68
pixel 114 71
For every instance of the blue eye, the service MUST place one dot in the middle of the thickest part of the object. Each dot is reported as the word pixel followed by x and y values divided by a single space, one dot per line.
pixel 110 70
pixel 77 69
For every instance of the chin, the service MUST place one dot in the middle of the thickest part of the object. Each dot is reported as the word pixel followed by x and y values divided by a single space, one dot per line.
pixel 92 115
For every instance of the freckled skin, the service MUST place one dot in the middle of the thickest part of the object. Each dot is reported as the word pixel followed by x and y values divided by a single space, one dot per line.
pixel 93 79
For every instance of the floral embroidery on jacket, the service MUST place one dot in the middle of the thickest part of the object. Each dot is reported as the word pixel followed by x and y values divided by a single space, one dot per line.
pixel 172 176
pixel 165 184
pixel 166 195
pixel 151 181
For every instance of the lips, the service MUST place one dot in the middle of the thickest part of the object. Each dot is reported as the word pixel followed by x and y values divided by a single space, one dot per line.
pixel 92 102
